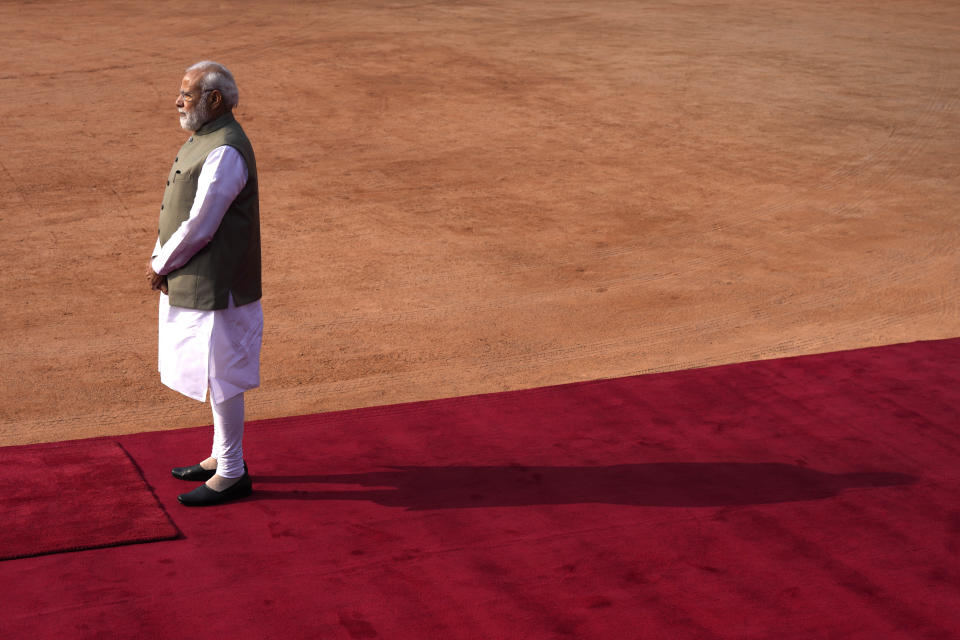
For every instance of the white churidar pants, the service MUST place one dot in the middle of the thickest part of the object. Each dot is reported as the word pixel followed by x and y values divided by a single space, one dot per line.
pixel 228 436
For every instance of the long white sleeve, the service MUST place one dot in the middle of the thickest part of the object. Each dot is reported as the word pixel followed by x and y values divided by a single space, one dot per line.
pixel 222 177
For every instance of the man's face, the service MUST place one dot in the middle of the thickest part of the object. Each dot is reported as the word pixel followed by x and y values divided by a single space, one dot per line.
pixel 192 103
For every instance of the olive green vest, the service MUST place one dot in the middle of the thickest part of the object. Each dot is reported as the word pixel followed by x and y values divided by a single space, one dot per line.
pixel 230 263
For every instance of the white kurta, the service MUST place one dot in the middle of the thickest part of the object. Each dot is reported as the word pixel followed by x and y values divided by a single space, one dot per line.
pixel 220 349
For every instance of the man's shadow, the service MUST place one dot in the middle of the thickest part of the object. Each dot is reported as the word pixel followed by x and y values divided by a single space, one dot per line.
pixel 666 484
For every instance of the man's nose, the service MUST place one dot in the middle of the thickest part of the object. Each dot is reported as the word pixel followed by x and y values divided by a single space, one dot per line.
pixel 179 102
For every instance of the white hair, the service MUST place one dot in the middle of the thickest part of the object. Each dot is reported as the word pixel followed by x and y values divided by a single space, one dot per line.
pixel 216 76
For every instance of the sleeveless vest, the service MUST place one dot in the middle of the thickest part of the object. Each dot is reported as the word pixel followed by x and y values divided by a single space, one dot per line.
pixel 230 263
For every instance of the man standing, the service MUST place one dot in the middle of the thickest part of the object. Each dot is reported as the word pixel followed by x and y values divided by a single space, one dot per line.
pixel 206 264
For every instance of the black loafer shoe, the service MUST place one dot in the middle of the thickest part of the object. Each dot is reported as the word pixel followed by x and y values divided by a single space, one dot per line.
pixel 196 473
pixel 204 496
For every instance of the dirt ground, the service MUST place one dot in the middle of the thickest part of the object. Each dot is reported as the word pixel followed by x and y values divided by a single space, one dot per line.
pixel 465 197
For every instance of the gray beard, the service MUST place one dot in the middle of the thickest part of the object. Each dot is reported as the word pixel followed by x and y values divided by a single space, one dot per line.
pixel 195 120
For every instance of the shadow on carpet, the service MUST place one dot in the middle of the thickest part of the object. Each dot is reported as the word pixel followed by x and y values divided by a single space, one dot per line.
pixel 678 484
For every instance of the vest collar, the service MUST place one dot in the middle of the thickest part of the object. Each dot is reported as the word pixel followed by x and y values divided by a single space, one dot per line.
pixel 213 125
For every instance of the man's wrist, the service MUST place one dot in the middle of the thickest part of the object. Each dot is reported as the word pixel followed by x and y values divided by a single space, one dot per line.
pixel 154 266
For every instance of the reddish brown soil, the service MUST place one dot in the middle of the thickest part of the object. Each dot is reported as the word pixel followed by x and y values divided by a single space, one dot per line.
pixel 464 197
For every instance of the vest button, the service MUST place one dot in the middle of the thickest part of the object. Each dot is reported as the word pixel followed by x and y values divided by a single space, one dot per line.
pixel 161 207
pixel 168 183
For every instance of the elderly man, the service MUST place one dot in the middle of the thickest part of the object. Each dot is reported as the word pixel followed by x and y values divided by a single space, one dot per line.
pixel 206 264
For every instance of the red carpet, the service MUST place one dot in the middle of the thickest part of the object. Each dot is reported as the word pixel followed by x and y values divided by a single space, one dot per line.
pixel 73 496
pixel 811 497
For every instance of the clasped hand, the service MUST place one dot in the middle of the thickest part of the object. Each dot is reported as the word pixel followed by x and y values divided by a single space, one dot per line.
pixel 157 281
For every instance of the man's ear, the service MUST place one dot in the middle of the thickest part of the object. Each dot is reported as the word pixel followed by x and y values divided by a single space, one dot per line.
pixel 216 99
